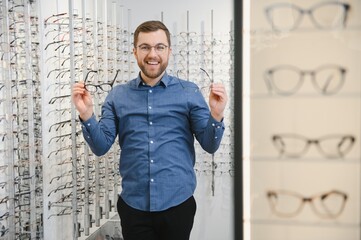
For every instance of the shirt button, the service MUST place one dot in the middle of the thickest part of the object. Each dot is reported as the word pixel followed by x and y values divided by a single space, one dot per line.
pixel 213 124
pixel 88 124
pixel 150 91
pixel 150 123
pixel 151 161
pixel 150 107
pixel 151 142
pixel 152 180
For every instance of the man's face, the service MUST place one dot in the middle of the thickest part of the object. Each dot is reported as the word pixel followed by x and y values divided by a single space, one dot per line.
pixel 152 53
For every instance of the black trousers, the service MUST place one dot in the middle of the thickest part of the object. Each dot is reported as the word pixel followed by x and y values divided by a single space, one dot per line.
pixel 172 224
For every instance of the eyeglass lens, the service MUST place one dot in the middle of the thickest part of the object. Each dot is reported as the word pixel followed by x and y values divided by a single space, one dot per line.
pixel 105 87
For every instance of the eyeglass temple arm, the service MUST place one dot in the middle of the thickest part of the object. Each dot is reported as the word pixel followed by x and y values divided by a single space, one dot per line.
pixel 87 75
pixel 207 74
pixel 115 77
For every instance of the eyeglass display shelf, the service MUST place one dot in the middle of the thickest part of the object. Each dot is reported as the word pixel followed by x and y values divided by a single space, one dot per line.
pixel 345 160
pixel 296 222
pixel 346 95
pixel 267 31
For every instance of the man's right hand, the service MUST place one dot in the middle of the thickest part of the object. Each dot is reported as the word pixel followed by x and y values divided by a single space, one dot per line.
pixel 82 101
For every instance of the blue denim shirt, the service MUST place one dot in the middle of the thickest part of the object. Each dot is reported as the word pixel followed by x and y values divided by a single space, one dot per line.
pixel 156 127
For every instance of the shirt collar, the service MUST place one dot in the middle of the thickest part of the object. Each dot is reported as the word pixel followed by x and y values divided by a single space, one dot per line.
pixel 164 81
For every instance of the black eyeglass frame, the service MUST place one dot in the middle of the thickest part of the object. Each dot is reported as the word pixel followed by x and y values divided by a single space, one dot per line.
pixel 103 86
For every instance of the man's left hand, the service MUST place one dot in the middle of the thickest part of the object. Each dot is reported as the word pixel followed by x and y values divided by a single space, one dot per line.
pixel 217 100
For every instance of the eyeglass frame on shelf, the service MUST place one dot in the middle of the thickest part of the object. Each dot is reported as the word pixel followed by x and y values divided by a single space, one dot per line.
pixel 272 86
pixel 345 7
pixel 304 200
pixel 315 141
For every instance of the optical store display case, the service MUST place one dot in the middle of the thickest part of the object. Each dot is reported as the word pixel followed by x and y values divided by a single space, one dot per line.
pixel 305 108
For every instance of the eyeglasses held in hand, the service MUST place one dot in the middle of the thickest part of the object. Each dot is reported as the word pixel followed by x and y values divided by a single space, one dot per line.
pixel 331 146
pixel 206 84
pixel 105 87
pixel 324 15
pixel 287 79
pixel 326 205
pixel 159 48
pixel 210 79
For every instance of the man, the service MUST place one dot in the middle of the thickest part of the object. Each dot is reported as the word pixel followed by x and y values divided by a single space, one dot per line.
pixel 156 117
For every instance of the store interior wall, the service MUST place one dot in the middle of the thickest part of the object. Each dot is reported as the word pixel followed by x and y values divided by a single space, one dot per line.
pixel 50 156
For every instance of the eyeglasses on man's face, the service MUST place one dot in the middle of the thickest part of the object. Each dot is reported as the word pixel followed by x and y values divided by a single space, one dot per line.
pixel 324 15
pixel 159 48
pixel 287 79
pixel 331 146
pixel 286 203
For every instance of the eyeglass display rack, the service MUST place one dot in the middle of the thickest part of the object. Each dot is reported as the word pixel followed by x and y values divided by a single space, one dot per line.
pixel 86 189
pixel 305 120
pixel 50 182
pixel 20 122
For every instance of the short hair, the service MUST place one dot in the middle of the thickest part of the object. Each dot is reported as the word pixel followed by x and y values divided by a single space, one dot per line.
pixel 150 26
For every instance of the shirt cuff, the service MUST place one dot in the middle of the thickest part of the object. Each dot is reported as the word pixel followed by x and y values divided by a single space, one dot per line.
pixel 215 123
pixel 88 124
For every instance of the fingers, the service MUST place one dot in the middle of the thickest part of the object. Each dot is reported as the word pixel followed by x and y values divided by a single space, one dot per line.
pixel 219 90
pixel 79 88
pixel 218 86
pixel 80 95
pixel 217 100
pixel 82 100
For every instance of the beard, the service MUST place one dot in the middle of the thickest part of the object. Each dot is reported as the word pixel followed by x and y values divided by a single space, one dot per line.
pixel 152 74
